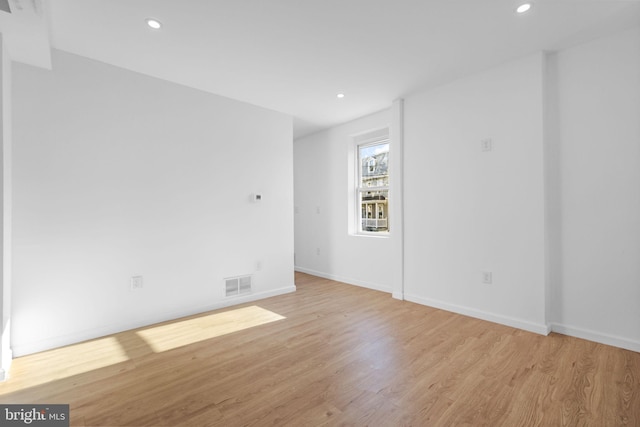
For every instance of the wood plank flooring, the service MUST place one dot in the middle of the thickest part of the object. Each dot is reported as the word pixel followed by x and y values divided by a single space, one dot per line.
pixel 333 354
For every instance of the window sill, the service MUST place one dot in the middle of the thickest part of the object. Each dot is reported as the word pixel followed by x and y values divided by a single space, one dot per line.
pixel 373 235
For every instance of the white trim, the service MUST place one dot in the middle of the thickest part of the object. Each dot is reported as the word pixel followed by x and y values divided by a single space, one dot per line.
pixel 596 337
pixel 483 315
pixel 396 211
pixel 373 234
pixel 348 281
pixel 54 342
pixel 7 355
pixel 382 234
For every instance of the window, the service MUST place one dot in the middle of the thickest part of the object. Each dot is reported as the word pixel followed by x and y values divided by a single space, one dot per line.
pixel 372 192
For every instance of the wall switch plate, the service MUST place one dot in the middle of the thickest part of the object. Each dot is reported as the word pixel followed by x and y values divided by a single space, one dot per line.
pixel 136 282
pixel 487 277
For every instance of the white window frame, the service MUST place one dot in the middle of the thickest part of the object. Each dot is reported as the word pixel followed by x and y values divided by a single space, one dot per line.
pixel 358 190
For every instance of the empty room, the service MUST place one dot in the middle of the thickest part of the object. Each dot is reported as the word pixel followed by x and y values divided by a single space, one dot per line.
pixel 306 213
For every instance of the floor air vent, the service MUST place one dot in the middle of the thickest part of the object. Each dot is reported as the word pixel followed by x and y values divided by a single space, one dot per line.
pixel 237 285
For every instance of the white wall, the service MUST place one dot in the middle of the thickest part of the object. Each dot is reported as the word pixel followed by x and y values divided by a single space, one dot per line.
pixel 6 209
pixel 553 211
pixel 117 174
pixel 468 211
pixel 321 176
pixel 596 294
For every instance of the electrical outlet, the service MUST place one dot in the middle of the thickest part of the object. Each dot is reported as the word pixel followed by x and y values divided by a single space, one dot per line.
pixel 258 265
pixel 487 277
pixel 317 251
pixel 136 282
pixel 486 145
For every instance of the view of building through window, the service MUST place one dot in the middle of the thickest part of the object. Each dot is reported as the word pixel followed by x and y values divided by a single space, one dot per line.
pixel 373 188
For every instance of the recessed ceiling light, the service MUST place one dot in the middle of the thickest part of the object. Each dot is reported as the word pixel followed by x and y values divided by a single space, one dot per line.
pixel 341 95
pixel 154 23
pixel 523 7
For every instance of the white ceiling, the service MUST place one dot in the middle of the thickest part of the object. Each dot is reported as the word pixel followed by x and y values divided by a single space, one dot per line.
pixel 294 56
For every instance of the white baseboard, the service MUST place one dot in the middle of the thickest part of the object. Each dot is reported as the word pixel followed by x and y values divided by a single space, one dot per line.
pixel 537 328
pixel 483 315
pixel 60 341
pixel 7 359
pixel 347 280
pixel 5 351
pixel 398 295
pixel 6 365
pixel 596 337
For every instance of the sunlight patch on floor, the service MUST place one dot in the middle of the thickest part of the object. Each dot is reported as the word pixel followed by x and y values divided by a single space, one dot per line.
pixel 63 363
pixel 181 333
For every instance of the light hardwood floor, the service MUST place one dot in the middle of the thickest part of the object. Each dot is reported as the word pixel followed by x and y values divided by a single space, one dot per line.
pixel 333 354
